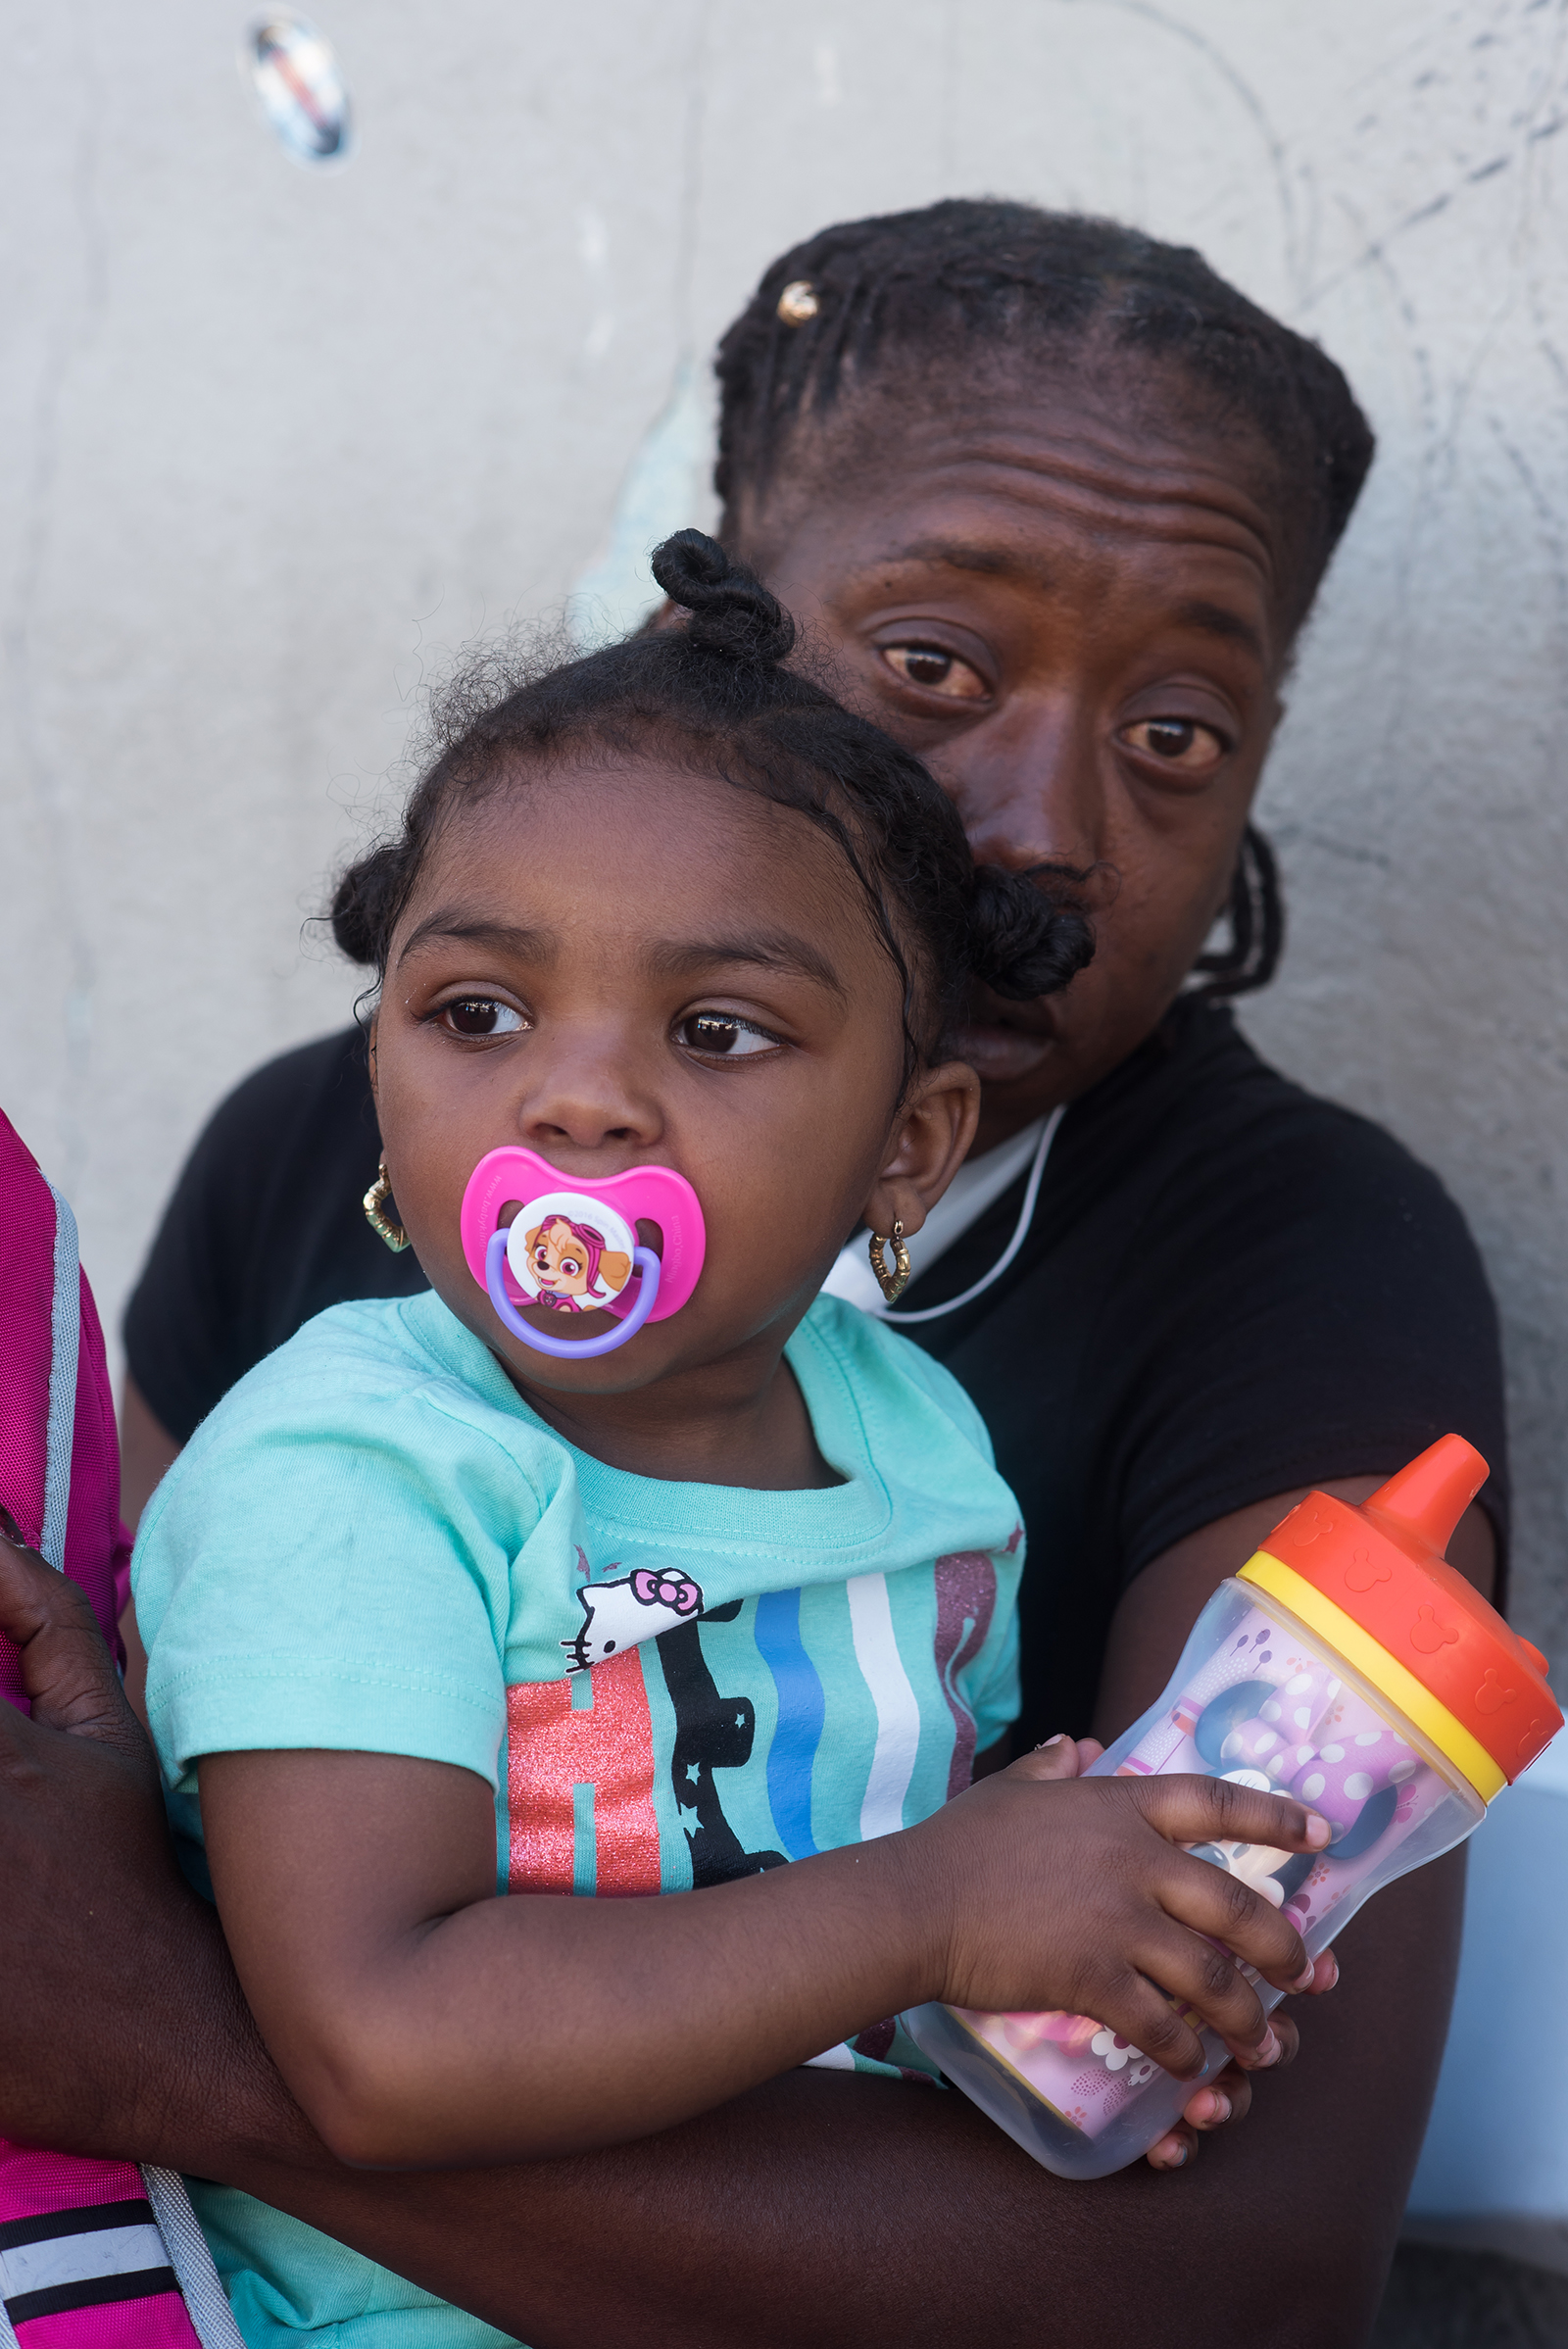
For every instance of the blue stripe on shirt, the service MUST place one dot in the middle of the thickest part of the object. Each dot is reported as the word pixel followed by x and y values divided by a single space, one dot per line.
pixel 793 1751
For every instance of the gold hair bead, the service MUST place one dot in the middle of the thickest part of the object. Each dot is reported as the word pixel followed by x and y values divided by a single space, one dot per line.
pixel 798 302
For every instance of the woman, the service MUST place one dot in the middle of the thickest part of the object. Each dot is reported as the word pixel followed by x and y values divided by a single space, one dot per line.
pixel 1057 502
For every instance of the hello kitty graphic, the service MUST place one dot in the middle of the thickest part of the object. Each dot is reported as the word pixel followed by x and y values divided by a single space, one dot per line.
pixel 635 1607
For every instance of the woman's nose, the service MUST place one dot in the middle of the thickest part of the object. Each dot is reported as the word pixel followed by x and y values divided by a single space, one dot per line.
pixel 1031 795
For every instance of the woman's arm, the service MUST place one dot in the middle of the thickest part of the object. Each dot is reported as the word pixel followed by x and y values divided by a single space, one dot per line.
pixel 822 2211
pixel 818 2210
pixel 1159 1608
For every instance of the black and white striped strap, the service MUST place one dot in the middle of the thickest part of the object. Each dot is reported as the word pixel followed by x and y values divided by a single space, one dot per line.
pixel 82 2257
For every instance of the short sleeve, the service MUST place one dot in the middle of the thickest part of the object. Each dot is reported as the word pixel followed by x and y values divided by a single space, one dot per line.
pixel 1309 1304
pixel 319 1569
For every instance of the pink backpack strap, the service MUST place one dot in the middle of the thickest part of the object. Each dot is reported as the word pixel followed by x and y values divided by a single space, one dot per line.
pixel 93 2255
pixel 104 2255
pixel 83 2261
pixel 59 1458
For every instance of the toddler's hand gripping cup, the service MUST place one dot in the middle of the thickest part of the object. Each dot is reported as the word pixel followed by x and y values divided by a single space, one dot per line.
pixel 574 1247
pixel 1349 1664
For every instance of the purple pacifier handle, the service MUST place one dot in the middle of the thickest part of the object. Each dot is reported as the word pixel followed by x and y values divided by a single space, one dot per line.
pixel 568 1350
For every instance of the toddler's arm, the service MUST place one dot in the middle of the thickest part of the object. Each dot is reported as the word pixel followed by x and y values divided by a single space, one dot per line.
pixel 422 2021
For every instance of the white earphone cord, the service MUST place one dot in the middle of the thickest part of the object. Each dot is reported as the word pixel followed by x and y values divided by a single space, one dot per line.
pixel 1025 1216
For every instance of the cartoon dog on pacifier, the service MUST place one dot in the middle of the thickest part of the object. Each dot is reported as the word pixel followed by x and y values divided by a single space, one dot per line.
pixel 533 1235
pixel 575 1267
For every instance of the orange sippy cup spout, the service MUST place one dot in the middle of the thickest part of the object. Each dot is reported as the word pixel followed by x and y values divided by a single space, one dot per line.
pixel 1421 1504
pixel 1373 1581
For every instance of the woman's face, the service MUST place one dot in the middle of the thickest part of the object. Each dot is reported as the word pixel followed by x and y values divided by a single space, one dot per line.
pixel 1074 616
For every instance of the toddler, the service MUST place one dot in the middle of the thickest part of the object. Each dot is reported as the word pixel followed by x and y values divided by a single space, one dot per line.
pixel 433 1615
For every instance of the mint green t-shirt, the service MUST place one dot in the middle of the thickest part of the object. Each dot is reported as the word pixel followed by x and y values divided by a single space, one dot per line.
pixel 375 1545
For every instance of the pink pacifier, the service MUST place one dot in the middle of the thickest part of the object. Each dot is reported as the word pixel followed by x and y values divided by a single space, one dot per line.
pixel 574 1247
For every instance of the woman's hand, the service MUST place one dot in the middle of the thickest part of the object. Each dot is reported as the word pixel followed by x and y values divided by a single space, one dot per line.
pixel 122 2030
pixel 1089 1905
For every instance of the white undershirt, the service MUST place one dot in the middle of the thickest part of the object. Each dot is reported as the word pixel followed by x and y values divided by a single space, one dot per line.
pixel 978 1183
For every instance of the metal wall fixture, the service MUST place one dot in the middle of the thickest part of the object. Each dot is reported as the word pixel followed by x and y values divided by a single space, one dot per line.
pixel 292 68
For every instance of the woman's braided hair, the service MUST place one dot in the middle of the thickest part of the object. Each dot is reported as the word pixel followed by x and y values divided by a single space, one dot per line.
pixel 881 303
pixel 716 695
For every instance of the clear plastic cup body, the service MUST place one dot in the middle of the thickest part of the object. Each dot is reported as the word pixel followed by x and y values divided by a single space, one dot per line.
pixel 1258 1698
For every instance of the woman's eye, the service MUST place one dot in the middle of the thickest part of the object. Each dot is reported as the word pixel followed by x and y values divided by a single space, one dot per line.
pixel 724 1036
pixel 481 1016
pixel 1179 742
pixel 936 671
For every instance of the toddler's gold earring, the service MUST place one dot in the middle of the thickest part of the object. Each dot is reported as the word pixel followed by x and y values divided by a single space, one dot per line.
pixel 892 1284
pixel 377 1216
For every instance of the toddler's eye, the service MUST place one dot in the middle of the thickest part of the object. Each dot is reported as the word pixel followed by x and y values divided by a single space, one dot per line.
pixel 1180 742
pixel 481 1016
pixel 939 672
pixel 723 1036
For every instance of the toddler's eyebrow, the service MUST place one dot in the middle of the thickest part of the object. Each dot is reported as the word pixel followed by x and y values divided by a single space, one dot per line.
pixel 761 950
pixel 505 938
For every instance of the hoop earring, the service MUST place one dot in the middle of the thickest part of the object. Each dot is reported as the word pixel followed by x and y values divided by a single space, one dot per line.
pixel 377 1216
pixel 892 1284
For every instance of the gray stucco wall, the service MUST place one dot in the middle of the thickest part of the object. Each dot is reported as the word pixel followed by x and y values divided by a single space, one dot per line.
pixel 271 441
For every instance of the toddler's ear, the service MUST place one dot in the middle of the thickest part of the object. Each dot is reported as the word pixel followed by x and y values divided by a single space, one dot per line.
pixel 929 1142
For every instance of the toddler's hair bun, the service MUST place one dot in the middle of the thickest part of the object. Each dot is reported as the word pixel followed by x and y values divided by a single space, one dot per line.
pixel 1023 943
pixel 731 611
pixel 365 904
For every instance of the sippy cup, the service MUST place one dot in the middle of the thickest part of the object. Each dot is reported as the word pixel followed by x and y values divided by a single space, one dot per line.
pixel 1346 1664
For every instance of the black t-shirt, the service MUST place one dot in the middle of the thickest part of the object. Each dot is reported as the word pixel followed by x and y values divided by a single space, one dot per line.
pixel 266 1229
pixel 1228 1289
